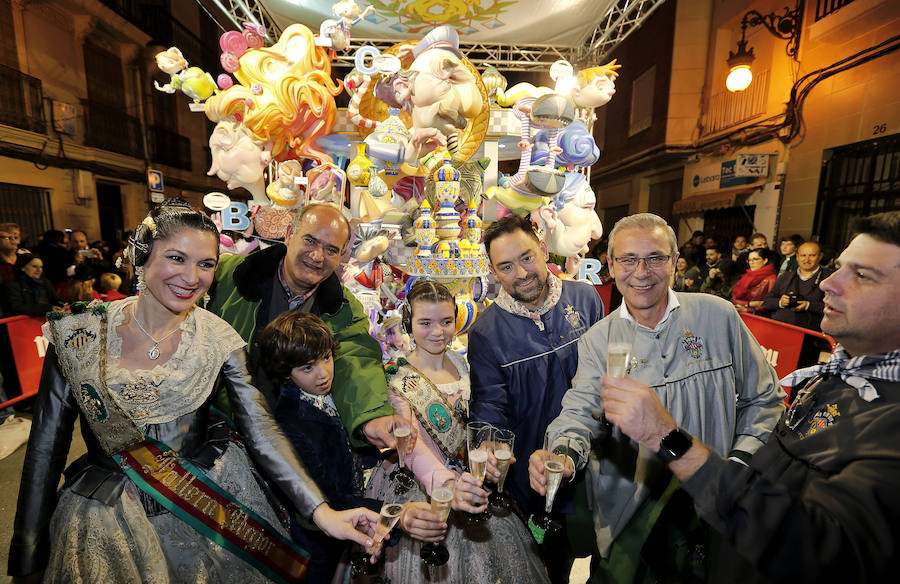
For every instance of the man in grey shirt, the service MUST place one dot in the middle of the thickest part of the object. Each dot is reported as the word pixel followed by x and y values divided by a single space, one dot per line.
pixel 710 373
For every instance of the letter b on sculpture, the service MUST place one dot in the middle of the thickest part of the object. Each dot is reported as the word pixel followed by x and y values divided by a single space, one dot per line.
pixel 235 217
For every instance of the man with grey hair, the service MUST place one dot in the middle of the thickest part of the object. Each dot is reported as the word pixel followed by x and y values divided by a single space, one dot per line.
pixel 706 368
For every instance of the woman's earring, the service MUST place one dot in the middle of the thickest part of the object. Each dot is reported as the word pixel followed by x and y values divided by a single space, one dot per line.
pixel 141 285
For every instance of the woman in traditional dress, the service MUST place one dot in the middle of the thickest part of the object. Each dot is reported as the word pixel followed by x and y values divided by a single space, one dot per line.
pixel 166 492
pixel 432 382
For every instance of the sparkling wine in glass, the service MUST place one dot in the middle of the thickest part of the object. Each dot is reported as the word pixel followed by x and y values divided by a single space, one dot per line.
pixel 402 434
pixel 402 489
pixel 478 441
pixel 503 450
pixel 435 554
pixel 554 465
pixel 619 345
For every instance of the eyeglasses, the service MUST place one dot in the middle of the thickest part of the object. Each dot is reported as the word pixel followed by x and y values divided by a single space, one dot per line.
pixel 653 262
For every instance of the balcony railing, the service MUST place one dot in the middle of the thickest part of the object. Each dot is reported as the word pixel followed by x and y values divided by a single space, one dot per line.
pixel 112 129
pixel 826 7
pixel 171 148
pixel 21 101
pixel 728 109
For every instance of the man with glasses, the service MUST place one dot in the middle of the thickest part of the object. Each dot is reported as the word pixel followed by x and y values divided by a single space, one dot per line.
pixel 250 291
pixel 821 500
pixel 695 353
pixel 9 246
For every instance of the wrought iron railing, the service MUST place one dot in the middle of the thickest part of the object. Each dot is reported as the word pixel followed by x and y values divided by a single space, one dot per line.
pixel 171 148
pixel 727 109
pixel 112 129
pixel 21 100
pixel 826 7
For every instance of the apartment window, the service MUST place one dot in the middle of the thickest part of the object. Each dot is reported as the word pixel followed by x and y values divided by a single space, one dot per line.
pixel 27 206
pixel 642 102
pixel 857 180
pixel 8 55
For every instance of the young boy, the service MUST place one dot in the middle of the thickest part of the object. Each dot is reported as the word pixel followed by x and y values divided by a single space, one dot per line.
pixel 297 351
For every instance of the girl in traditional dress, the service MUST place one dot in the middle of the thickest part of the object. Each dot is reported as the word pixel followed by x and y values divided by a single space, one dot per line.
pixel 166 491
pixel 432 382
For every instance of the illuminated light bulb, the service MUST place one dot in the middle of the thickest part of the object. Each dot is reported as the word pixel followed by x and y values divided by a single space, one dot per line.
pixel 739 78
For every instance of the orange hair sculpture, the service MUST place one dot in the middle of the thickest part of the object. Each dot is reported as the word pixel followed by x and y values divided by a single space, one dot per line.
pixel 285 97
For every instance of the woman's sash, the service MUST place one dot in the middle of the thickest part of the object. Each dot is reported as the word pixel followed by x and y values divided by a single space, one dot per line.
pixel 435 414
pixel 156 469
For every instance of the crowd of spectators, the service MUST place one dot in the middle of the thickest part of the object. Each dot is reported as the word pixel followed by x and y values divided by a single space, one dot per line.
pixel 783 286
pixel 61 267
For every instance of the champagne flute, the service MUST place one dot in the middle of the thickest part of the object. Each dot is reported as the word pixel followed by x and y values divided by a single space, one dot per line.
pixel 503 448
pixel 554 465
pixel 619 361
pixel 478 441
pixel 443 489
pixel 402 433
pixel 619 344
pixel 402 489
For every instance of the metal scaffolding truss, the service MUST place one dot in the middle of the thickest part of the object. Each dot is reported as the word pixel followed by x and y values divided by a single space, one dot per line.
pixel 502 56
pixel 240 11
pixel 621 18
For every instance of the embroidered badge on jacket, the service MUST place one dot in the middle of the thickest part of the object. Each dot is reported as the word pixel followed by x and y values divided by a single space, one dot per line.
pixel 692 344
pixel 823 418
pixel 573 317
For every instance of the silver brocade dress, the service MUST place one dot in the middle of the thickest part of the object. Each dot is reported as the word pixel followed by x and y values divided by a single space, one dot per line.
pixel 104 528
pixel 499 550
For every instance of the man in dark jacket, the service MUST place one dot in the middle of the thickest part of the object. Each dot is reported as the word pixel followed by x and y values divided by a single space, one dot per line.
pixel 796 297
pixel 820 500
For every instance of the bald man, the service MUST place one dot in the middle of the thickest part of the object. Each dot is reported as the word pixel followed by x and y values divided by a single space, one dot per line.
pixel 250 291
pixel 796 297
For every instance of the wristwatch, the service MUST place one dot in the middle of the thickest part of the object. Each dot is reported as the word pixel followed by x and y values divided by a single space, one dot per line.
pixel 674 445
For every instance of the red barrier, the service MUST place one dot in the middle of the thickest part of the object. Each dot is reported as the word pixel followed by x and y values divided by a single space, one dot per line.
pixel 605 291
pixel 782 342
pixel 28 349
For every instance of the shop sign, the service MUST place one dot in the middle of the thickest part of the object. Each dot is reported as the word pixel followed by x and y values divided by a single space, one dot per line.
pixel 715 177
pixel 752 165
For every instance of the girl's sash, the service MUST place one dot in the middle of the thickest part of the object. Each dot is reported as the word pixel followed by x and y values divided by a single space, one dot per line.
pixel 156 469
pixel 431 408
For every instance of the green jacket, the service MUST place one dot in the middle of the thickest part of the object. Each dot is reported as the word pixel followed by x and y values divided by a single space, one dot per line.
pixel 245 283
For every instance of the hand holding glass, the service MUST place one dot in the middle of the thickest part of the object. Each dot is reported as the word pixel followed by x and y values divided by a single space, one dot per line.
pixel 442 492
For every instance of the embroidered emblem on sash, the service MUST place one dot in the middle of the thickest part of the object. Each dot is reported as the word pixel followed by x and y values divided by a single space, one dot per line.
pixel 79 339
pixel 573 318
pixel 692 344
pixel 439 417
pixel 824 418
pixel 93 405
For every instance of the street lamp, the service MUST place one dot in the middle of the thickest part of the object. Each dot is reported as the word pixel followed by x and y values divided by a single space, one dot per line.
pixel 785 26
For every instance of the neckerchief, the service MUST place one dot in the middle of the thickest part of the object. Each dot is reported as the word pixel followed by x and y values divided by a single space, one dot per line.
pixel 855 371
pixel 294 301
pixel 513 306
